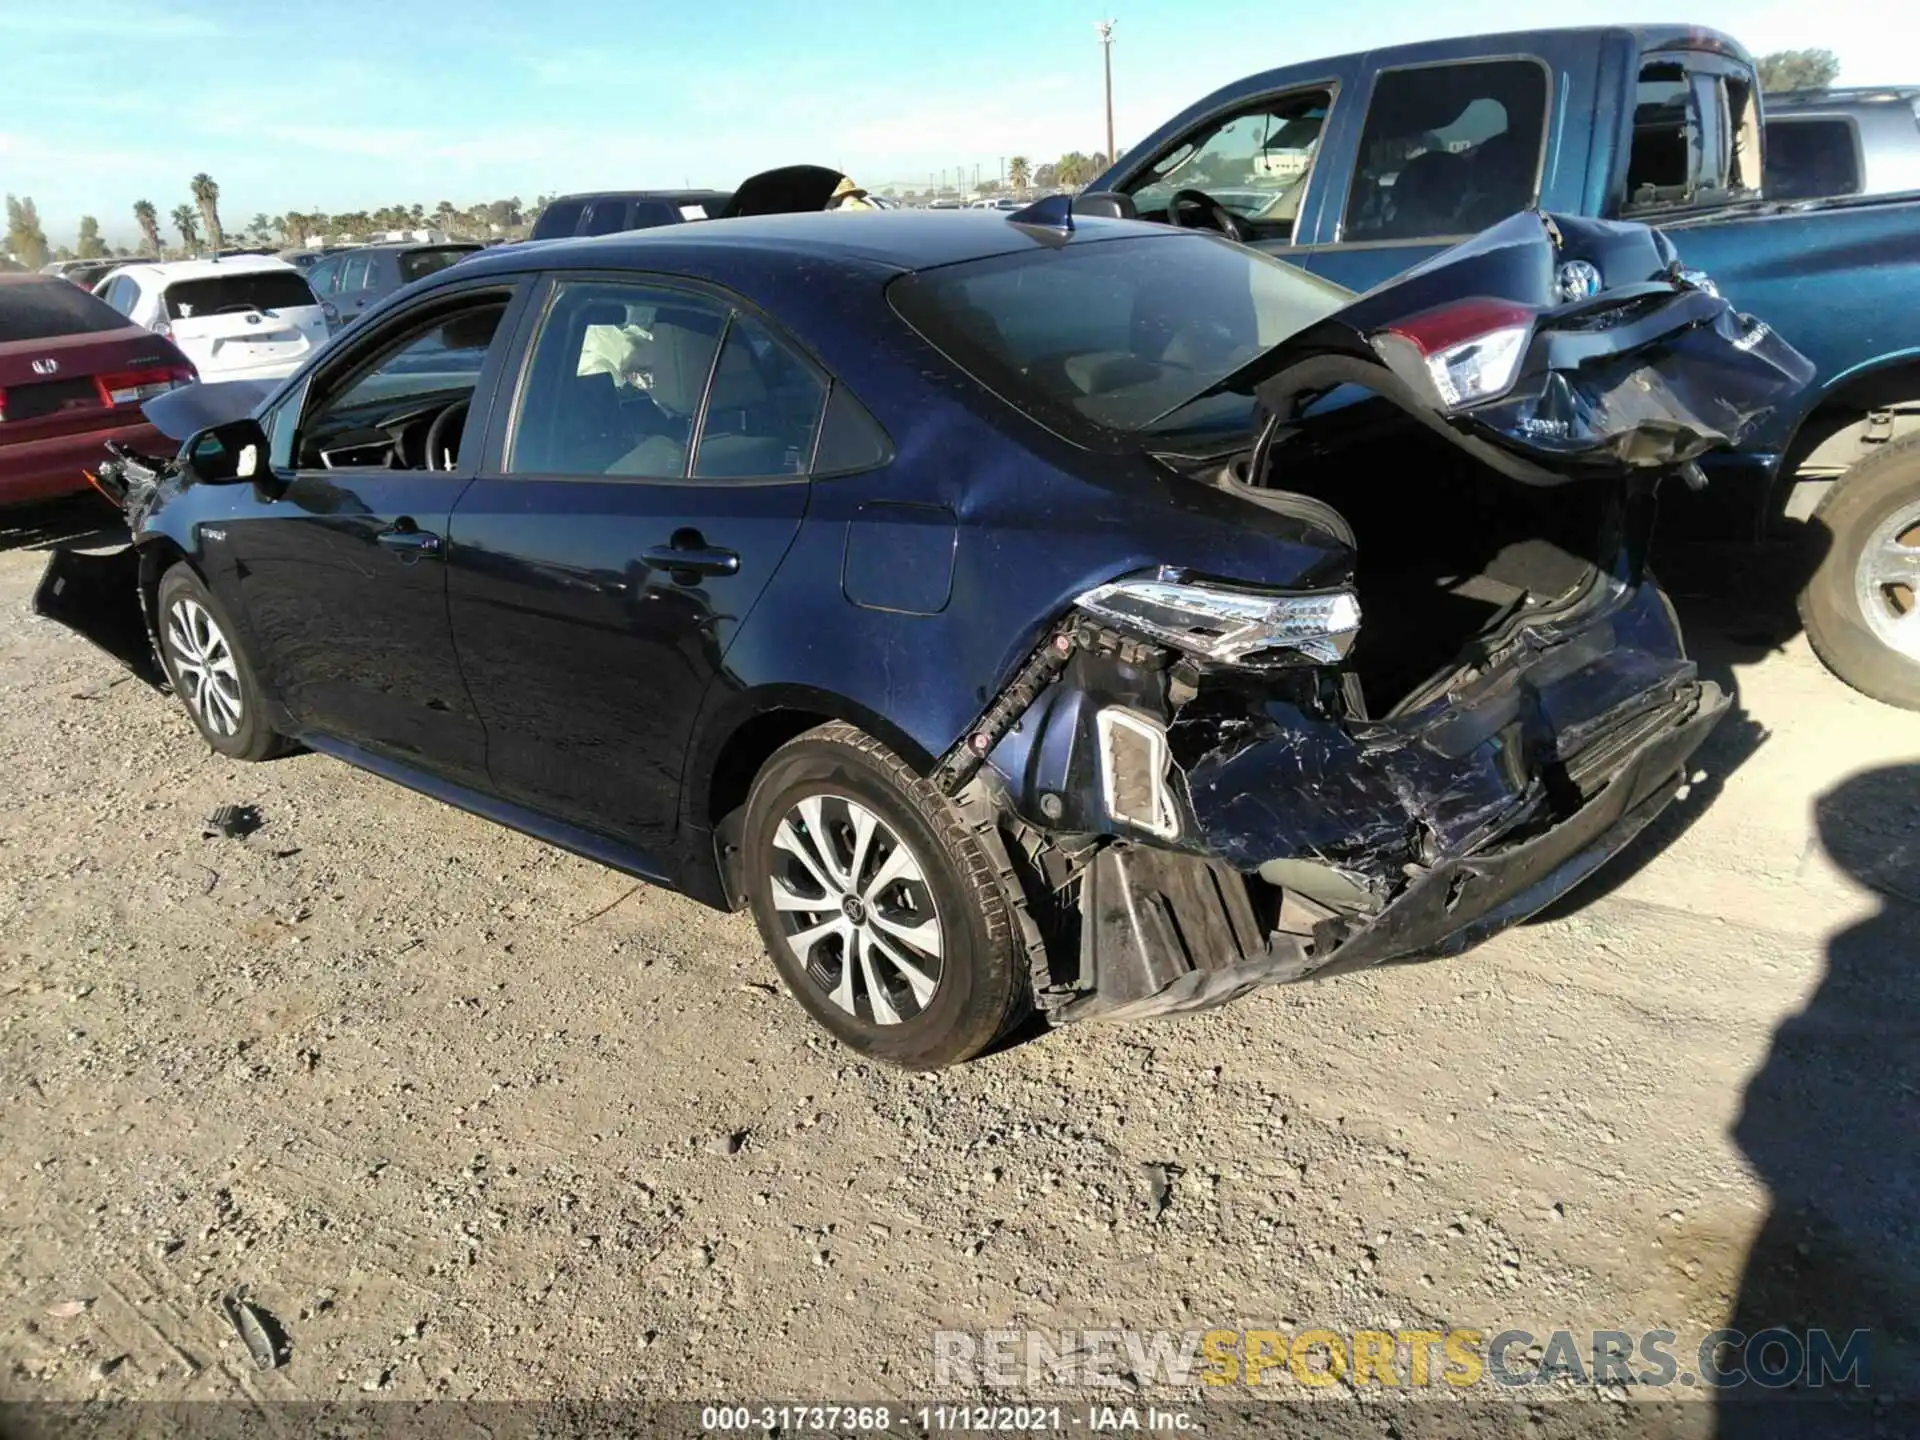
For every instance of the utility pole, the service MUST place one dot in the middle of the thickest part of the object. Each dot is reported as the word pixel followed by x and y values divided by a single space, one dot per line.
pixel 1104 29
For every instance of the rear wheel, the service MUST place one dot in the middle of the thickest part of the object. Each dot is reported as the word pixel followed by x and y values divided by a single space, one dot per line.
pixel 209 673
pixel 1862 605
pixel 878 904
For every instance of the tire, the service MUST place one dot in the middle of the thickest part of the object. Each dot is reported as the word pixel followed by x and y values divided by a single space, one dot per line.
pixel 945 912
pixel 1848 616
pixel 209 672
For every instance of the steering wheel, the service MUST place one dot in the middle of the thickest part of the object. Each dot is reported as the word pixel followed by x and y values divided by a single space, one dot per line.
pixel 1197 210
pixel 437 432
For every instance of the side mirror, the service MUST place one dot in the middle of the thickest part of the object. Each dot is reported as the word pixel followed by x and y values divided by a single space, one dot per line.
pixel 1110 204
pixel 230 453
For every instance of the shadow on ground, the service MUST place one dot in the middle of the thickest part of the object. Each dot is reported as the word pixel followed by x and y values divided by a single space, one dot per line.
pixel 82 522
pixel 1830 1124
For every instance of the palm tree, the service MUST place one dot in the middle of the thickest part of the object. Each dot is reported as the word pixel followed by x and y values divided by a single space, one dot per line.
pixel 1019 173
pixel 187 224
pixel 262 228
pixel 443 214
pixel 148 219
pixel 206 195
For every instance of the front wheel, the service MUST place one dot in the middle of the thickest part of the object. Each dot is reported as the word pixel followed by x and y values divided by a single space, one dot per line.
pixel 1862 605
pixel 209 673
pixel 879 904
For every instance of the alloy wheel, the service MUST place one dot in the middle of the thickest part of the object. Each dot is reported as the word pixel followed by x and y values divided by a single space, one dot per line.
pixel 1887 582
pixel 203 665
pixel 855 908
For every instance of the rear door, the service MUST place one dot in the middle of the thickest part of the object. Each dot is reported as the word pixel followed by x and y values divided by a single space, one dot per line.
pixel 338 562
pixel 1440 151
pixel 615 541
pixel 244 320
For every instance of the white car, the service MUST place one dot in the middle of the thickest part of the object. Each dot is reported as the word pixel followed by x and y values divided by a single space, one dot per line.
pixel 249 317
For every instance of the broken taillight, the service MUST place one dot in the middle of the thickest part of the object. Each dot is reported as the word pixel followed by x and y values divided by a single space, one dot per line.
pixel 1231 626
pixel 1472 349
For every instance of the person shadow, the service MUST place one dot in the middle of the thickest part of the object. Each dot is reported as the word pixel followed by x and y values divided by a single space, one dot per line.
pixel 1831 1124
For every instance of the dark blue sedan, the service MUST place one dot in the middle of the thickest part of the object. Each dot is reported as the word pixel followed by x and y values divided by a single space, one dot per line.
pixel 1027 612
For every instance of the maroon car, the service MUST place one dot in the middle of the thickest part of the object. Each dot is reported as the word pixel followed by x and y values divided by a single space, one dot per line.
pixel 73 374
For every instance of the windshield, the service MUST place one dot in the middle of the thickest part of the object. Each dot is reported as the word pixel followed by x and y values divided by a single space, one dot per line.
pixel 1118 333
pixel 242 290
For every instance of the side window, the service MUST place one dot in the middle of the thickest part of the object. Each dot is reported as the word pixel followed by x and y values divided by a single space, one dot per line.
pixel 381 413
pixel 121 293
pixel 280 423
pixel 1695 134
pixel 1255 163
pixel 354 272
pixel 1809 159
pixel 615 383
pixel 764 409
pixel 1448 150
pixel 323 277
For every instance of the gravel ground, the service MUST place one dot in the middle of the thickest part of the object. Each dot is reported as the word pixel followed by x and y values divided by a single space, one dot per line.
pixel 475 1118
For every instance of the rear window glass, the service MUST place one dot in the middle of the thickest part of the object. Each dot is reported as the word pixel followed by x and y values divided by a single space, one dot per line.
pixel 418 264
pixel 1808 159
pixel 557 219
pixel 1121 332
pixel 246 290
pixel 42 309
pixel 1448 150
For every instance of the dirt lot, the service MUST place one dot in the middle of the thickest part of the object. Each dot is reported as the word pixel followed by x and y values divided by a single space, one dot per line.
pixel 461 1111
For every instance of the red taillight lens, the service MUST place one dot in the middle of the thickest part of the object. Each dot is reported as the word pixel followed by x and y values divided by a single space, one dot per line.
pixel 3 406
pixel 1432 331
pixel 1472 348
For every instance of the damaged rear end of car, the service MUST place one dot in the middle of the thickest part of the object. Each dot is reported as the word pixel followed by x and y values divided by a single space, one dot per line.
pixel 1477 694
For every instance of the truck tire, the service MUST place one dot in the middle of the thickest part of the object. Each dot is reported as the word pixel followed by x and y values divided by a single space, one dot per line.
pixel 1861 607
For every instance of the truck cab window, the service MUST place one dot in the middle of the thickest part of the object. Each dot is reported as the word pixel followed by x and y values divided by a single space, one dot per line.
pixel 1255 163
pixel 1695 135
pixel 1448 150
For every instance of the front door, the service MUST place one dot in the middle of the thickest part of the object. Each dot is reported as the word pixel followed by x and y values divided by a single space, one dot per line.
pixel 650 479
pixel 339 560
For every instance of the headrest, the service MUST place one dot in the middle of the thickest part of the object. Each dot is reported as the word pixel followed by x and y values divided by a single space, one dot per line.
pixel 678 359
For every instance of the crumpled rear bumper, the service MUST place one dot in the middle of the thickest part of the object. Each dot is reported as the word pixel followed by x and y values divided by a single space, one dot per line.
pixel 1449 908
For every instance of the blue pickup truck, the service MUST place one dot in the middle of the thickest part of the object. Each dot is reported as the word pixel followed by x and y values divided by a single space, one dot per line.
pixel 1360 166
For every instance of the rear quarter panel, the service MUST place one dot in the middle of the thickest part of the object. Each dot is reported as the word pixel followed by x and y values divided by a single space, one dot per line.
pixel 1027 519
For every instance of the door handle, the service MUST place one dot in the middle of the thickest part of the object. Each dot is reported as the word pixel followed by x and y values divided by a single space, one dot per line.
pixel 409 540
pixel 690 556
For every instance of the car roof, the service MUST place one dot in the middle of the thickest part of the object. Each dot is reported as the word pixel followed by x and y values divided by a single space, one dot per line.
pixel 898 240
pixel 635 195
pixel 170 270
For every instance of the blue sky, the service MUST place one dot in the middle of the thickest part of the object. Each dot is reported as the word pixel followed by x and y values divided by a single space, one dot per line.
pixel 351 104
